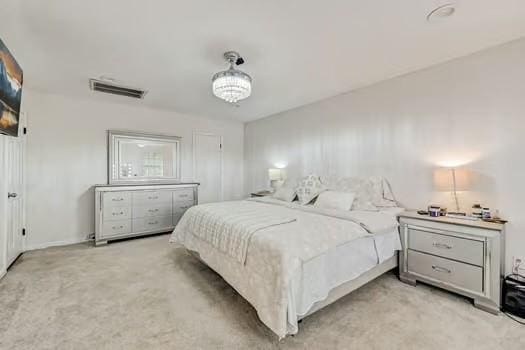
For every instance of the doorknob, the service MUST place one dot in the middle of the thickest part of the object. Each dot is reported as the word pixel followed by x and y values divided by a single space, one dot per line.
pixel 12 195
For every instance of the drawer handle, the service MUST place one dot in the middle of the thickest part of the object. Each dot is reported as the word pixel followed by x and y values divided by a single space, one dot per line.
pixel 183 195
pixel 440 269
pixel 153 210
pixel 154 197
pixel 117 227
pixel 153 223
pixel 441 245
pixel 117 214
pixel 185 207
pixel 117 199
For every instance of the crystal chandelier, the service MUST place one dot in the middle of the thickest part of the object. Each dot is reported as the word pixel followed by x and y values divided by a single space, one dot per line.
pixel 232 85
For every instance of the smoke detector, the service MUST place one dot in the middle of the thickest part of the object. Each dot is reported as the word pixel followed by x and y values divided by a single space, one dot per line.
pixel 441 12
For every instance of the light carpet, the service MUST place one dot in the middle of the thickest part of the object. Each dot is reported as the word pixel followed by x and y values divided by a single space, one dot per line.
pixel 145 294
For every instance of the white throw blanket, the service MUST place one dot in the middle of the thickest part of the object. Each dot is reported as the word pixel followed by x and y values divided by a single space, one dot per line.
pixel 229 226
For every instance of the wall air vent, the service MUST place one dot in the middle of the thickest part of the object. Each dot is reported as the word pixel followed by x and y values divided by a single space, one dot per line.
pixel 111 87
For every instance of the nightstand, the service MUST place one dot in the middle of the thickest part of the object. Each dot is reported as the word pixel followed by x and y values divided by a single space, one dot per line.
pixel 463 256
pixel 261 193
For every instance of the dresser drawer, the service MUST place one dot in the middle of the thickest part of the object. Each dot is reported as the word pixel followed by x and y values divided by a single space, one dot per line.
pixel 116 199
pixel 151 197
pixel 183 195
pixel 452 272
pixel 461 249
pixel 152 224
pixel 181 207
pixel 115 228
pixel 117 213
pixel 160 209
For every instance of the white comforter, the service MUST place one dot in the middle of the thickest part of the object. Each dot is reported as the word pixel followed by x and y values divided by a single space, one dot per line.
pixel 276 253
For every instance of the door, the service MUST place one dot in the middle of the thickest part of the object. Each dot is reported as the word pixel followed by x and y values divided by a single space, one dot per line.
pixel 14 161
pixel 207 166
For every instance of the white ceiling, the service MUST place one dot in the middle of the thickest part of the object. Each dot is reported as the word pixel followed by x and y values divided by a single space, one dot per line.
pixel 297 51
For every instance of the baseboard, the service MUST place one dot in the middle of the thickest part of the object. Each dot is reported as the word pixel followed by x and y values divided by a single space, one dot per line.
pixel 2 273
pixel 56 244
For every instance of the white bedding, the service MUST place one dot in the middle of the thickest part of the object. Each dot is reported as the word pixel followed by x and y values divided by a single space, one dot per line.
pixel 291 266
pixel 339 266
pixel 229 226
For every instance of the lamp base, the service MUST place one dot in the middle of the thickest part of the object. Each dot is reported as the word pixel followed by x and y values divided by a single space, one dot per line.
pixel 462 216
pixel 456 213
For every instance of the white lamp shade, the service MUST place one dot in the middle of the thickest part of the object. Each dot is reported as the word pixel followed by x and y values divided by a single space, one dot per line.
pixel 275 174
pixel 444 179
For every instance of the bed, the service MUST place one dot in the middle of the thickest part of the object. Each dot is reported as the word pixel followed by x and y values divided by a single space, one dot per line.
pixel 290 260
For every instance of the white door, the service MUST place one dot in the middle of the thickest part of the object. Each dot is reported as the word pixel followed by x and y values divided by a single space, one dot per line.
pixel 207 166
pixel 14 161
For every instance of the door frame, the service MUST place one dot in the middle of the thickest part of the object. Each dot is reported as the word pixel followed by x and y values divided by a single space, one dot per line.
pixel 3 206
pixel 4 149
pixel 194 143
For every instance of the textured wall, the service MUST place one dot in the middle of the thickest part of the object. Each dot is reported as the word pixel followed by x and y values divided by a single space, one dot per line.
pixel 468 112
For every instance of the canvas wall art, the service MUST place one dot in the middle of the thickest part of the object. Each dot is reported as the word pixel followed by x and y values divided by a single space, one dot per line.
pixel 11 78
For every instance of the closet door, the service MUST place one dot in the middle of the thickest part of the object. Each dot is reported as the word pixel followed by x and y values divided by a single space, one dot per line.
pixel 14 151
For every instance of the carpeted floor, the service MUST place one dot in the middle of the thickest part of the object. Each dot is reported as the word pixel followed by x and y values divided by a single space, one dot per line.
pixel 144 294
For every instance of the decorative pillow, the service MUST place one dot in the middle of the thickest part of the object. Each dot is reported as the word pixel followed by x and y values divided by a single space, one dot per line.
pixel 309 188
pixel 383 196
pixel 335 200
pixel 285 194
pixel 370 193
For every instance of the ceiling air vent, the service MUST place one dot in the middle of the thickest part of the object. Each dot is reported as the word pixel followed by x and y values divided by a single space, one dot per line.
pixel 110 87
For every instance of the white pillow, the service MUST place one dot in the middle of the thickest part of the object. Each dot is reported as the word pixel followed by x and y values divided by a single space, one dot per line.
pixel 285 194
pixel 335 200
pixel 309 188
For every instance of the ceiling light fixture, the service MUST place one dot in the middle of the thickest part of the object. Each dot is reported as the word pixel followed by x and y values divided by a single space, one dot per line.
pixel 441 12
pixel 232 85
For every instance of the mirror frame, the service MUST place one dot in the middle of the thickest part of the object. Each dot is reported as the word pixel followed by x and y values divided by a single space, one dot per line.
pixel 113 157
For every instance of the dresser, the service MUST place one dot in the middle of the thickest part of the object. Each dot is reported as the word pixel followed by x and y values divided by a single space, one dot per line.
pixel 462 256
pixel 123 211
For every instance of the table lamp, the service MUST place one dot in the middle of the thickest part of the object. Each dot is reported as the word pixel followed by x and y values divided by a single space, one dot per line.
pixel 276 177
pixel 452 180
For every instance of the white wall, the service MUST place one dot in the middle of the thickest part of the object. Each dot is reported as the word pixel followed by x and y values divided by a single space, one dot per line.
pixel 67 155
pixel 469 112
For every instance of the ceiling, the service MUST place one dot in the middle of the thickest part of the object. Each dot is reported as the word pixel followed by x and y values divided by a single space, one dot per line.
pixel 297 51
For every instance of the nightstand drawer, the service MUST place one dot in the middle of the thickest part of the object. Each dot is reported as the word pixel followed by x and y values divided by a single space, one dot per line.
pixel 461 249
pixel 462 275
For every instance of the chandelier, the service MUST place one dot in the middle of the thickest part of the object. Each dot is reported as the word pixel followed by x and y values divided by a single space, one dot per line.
pixel 232 85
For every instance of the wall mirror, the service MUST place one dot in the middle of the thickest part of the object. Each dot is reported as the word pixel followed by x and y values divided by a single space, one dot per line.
pixel 135 157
